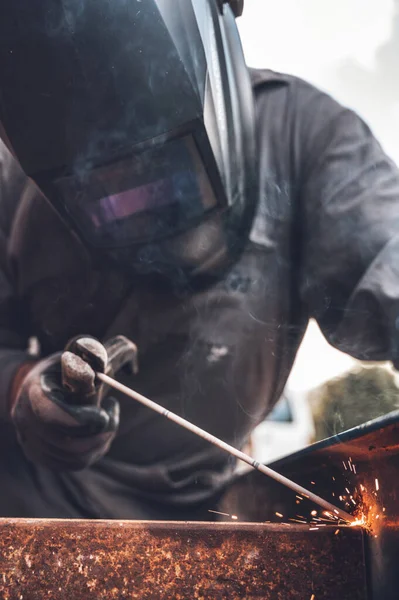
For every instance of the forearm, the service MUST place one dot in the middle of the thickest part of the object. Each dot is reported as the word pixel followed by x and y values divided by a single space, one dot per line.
pixel 369 328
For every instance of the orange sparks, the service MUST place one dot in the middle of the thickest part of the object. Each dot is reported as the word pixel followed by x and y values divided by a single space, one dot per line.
pixel 354 469
pixel 314 513
pixel 336 532
pixel 234 517
pixel 377 485
pixel 383 510
pixel 313 597
pixel 279 515
pixel 362 521
pixel 299 497
pixel 346 468
pixel 313 528
pixel 313 483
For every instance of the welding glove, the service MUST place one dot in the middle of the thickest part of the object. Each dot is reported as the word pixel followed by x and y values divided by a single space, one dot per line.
pixel 62 414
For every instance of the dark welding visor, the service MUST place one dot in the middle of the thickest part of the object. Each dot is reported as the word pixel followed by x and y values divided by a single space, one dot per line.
pixel 156 193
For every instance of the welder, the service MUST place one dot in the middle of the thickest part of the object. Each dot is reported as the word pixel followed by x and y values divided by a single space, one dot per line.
pixel 156 193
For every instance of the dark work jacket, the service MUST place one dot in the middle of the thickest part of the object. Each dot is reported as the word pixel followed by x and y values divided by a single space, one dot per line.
pixel 324 244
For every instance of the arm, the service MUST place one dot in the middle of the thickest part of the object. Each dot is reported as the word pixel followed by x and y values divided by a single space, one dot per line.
pixel 349 277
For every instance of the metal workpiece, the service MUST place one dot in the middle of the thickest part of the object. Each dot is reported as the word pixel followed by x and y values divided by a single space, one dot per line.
pixel 303 554
pixel 173 560
pixel 358 470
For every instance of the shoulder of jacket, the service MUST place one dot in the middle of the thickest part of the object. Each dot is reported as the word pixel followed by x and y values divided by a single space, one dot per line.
pixel 269 79
pixel 305 98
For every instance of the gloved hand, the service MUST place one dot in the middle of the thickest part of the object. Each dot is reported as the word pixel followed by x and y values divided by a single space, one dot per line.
pixel 63 417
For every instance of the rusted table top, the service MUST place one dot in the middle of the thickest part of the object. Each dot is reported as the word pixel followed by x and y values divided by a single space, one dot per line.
pixel 154 560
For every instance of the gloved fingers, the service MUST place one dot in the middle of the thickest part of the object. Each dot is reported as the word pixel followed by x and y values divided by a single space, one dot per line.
pixel 91 420
pixel 53 408
pixel 116 353
pixel 78 376
pixel 121 352
pixel 84 356
pixel 59 446
pixel 112 407
pixel 90 350
pixel 64 374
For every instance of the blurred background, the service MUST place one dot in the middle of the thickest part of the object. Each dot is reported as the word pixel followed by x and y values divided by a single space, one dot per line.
pixel 349 48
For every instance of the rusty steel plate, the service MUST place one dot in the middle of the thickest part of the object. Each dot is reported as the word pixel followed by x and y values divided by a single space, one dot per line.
pixel 327 469
pixel 154 560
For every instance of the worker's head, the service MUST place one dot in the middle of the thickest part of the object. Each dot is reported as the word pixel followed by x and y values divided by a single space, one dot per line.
pixel 135 118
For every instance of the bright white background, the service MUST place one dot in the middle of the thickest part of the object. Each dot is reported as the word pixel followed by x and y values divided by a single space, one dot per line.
pixel 349 48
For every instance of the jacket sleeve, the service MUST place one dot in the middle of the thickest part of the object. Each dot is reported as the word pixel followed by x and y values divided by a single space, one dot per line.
pixel 349 229
pixel 13 334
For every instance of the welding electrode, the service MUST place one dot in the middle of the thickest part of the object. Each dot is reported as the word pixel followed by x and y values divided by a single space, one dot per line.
pixel 298 489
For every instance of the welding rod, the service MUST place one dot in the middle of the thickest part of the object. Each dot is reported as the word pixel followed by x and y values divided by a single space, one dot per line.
pixel 298 489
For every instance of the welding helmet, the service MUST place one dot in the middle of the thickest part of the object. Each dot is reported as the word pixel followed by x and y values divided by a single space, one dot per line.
pixel 135 118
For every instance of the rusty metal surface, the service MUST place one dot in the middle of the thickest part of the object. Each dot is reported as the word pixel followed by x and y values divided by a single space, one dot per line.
pixel 104 559
pixel 374 449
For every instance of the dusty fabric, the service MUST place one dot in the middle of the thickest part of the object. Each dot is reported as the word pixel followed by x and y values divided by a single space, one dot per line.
pixel 324 244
